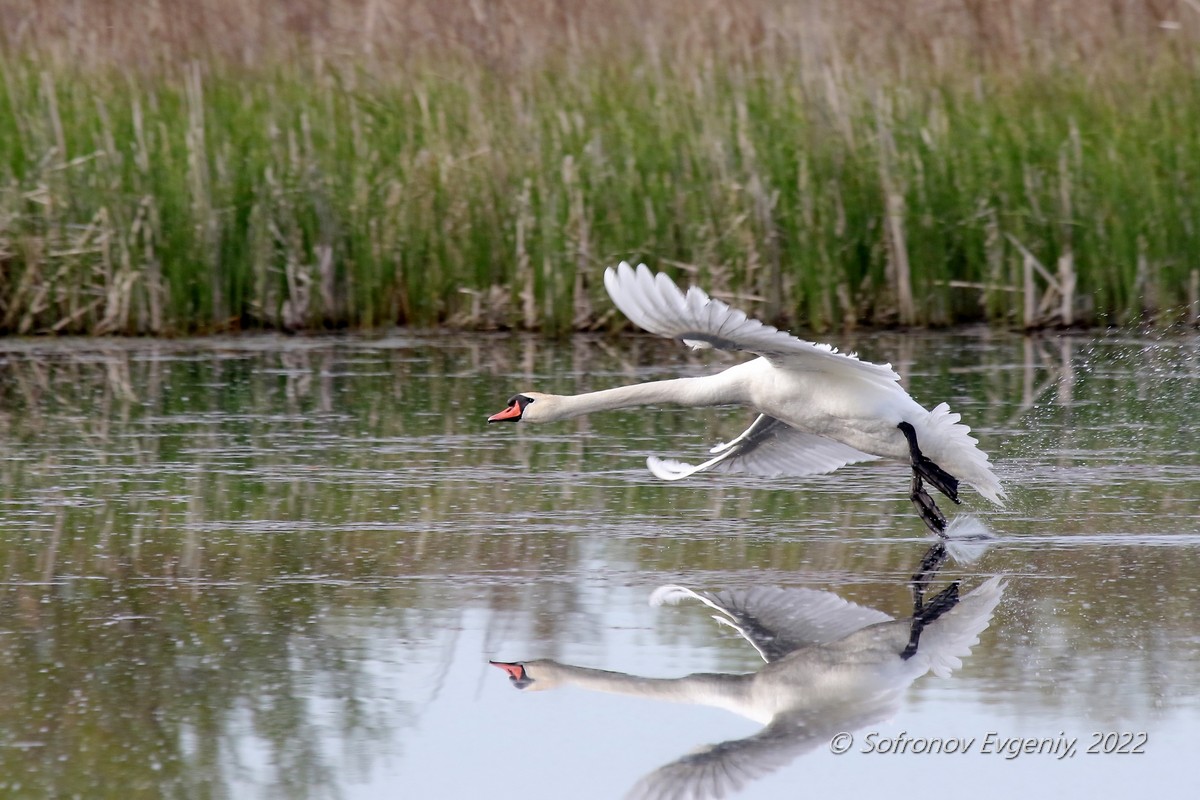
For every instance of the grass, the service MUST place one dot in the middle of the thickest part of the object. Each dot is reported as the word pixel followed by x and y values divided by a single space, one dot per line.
pixel 358 164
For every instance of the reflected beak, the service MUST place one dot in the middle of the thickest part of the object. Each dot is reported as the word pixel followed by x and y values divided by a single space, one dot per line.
pixel 516 673
pixel 515 669
pixel 513 412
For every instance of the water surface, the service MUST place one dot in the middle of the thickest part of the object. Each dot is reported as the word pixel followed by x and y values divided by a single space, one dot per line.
pixel 277 567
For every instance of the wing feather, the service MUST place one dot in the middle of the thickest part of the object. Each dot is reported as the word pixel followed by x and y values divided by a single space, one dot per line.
pixel 654 303
pixel 778 621
pixel 768 448
pixel 719 770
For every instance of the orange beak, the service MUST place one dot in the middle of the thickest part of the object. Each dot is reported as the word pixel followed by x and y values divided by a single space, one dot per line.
pixel 515 670
pixel 513 412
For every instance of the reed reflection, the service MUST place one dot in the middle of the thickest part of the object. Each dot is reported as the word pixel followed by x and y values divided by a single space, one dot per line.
pixel 830 666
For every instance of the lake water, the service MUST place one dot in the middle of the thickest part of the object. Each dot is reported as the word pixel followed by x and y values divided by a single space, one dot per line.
pixel 278 567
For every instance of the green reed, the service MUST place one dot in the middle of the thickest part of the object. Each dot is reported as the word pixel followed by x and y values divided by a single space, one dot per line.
pixel 305 197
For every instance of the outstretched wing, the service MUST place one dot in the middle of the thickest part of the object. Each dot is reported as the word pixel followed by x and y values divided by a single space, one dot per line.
pixel 653 302
pixel 778 621
pixel 768 448
pixel 719 770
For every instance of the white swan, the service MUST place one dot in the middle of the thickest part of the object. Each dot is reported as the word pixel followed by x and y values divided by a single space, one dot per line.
pixel 818 409
pixel 832 666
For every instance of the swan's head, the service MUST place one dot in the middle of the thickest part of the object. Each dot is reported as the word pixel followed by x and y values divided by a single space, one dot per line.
pixel 527 406
pixel 519 674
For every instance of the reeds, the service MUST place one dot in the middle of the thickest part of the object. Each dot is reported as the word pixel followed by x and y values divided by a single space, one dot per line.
pixel 174 167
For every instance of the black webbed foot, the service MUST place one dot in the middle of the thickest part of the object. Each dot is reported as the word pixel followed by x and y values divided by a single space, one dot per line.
pixel 943 481
pixel 927 570
pixel 930 513
pixel 943 602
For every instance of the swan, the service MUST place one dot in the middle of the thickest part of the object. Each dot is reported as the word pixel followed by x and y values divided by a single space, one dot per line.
pixel 831 666
pixel 818 409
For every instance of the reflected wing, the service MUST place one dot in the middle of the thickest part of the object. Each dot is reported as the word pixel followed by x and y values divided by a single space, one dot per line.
pixel 768 448
pixel 654 303
pixel 719 770
pixel 778 621
pixel 944 642
pixel 949 638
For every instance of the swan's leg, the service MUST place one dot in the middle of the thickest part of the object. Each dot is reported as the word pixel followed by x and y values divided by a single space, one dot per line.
pixel 930 513
pixel 925 470
pixel 927 570
pixel 946 600
pixel 943 481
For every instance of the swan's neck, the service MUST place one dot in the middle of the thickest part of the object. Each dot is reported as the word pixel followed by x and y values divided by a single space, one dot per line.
pixel 730 692
pixel 710 390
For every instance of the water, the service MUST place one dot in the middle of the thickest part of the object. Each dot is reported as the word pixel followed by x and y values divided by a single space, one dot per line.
pixel 276 567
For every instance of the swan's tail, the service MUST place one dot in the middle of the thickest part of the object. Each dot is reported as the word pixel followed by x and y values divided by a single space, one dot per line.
pixel 949 443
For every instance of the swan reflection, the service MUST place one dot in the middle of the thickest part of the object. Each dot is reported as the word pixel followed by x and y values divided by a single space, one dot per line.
pixel 831 666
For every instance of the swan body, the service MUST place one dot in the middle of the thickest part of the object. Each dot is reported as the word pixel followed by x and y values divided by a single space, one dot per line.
pixel 831 666
pixel 818 409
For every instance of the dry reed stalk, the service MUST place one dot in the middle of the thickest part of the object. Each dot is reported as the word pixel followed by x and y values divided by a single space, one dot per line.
pixel 579 243
pixel 1029 311
pixel 50 97
pixel 1066 288
pixel 524 272
pixel 1145 284
pixel 899 271
pixel 1066 261
pixel 993 248
pixel 1193 298
pixel 1058 300
pixel 770 282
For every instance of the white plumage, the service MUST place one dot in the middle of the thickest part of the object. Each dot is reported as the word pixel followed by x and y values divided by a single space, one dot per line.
pixel 831 666
pixel 818 409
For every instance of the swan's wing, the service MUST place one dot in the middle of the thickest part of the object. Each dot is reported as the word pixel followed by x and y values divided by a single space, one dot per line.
pixel 778 621
pixel 719 770
pixel 768 448
pixel 654 303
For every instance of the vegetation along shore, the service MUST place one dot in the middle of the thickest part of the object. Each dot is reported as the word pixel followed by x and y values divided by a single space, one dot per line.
pixel 186 166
